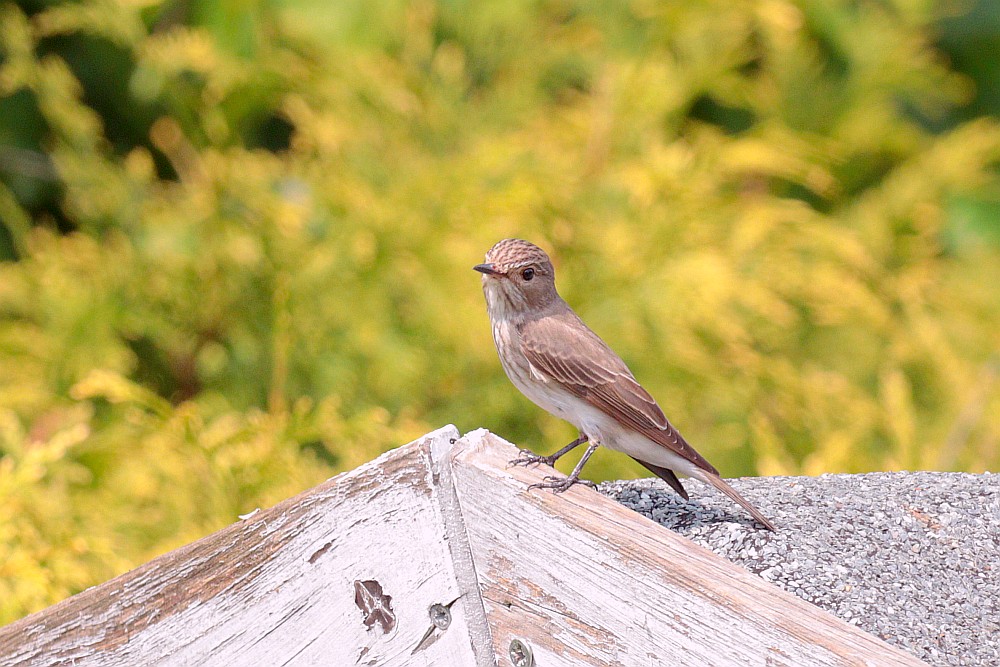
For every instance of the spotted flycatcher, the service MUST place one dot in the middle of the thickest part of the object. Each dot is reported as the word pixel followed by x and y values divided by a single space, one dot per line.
pixel 565 368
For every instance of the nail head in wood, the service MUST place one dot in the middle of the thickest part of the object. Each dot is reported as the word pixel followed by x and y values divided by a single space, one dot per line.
pixel 520 654
pixel 440 616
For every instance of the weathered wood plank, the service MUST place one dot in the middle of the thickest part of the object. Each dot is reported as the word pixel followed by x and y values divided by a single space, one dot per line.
pixel 357 570
pixel 284 587
pixel 585 581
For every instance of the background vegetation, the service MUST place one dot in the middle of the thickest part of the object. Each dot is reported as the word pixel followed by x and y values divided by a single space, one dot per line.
pixel 236 240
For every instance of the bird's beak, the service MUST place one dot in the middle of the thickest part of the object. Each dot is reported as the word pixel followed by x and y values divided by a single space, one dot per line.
pixel 488 269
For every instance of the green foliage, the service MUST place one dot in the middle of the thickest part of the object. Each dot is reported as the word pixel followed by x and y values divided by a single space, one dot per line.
pixel 239 240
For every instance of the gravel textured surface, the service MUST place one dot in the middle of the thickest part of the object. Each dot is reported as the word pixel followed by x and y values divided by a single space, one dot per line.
pixel 913 558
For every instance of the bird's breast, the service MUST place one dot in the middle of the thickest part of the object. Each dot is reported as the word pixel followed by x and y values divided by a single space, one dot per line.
pixel 548 395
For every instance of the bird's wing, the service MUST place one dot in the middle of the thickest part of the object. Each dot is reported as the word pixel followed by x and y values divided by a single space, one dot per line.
pixel 667 475
pixel 579 360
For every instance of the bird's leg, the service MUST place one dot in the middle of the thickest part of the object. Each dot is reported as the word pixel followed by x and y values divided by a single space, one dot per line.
pixel 558 485
pixel 527 457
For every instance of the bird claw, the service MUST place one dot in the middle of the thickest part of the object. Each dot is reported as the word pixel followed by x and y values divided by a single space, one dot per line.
pixel 528 457
pixel 560 484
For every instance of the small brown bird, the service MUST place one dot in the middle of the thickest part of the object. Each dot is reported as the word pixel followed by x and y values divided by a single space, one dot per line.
pixel 565 368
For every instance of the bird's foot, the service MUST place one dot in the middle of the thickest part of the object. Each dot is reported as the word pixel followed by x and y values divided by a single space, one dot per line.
pixel 560 484
pixel 527 457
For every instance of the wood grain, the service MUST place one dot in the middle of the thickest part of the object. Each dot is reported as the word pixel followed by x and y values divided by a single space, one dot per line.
pixel 357 571
pixel 279 588
pixel 585 581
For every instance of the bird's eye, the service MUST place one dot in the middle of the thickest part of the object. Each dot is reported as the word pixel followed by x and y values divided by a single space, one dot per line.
pixel 528 274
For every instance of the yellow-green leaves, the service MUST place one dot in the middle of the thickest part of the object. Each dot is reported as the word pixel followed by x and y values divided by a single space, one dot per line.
pixel 236 243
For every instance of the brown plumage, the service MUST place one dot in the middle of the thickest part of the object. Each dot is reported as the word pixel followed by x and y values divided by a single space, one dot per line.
pixel 564 349
pixel 565 368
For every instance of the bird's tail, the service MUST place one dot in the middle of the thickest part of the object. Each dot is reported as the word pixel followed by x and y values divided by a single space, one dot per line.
pixel 721 485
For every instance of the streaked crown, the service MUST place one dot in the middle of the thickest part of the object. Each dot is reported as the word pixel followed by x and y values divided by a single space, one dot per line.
pixel 512 253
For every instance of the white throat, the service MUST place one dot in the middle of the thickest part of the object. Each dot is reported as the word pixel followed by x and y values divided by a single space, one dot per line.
pixel 500 302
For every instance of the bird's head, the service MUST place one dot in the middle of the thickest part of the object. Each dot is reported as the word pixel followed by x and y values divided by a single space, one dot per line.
pixel 518 280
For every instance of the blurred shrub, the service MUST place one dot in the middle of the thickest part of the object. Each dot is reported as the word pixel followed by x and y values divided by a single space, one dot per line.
pixel 238 240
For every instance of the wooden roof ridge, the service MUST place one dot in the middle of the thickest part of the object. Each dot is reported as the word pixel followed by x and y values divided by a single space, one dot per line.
pixel 436 553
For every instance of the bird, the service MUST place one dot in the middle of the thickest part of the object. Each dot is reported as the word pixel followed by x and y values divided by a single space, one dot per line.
pixel 562 366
